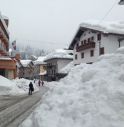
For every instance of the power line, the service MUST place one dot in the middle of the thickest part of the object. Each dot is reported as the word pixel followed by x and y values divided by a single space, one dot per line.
pixel 113 5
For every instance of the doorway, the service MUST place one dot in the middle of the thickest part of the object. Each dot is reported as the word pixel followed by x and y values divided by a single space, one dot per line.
pixel 2 72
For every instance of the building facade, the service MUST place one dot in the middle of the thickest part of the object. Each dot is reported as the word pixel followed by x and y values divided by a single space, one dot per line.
pixel 40 71
pixel 27 69
pixel 7 65
pixel 91 42
pixel 40 68
pixel 54 65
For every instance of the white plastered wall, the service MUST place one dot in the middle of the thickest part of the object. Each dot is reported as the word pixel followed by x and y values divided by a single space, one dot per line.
pixel 110 44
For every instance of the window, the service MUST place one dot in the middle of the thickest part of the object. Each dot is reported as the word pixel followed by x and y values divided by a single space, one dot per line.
pixel 99 37
pixel 92 38
pixel 90 63
pixel 92 53
pixel 77 45
pixel 54 72
pixel 82 55
pixel 101 50
pixel 88 40
pixel 76 56
pixel 82 42
pixel 85 41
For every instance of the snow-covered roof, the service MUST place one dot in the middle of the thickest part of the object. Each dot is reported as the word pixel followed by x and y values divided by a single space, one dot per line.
pixel 33 57
pixel 40 60
pixel 25 63
pixel 115 27
pixel 60 54
pixel 106 27
pixel 5 17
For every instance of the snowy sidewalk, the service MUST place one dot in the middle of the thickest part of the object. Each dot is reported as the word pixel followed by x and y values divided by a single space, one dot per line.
pixel 13 110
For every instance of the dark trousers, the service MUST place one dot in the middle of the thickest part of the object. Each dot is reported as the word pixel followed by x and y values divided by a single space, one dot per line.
pixel 30 91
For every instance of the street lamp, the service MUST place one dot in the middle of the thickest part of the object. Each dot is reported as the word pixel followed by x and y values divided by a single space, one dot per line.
pixel 121 2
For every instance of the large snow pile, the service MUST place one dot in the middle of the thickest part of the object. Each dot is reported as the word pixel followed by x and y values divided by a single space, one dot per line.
pixel 105 26
pixel 8 87
pixel 67 68
pixel 90 96
pixel 15 87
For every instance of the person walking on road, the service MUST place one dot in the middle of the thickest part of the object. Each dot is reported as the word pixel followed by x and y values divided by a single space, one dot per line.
pixel 42 83
pixel 31 88
pixel 34 80
pixel 39 82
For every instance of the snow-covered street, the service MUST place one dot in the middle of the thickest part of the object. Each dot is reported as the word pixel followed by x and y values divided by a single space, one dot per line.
pixel 14 109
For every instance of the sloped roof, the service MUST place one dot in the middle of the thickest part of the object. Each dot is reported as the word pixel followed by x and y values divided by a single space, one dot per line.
pixel 40 60
pixel 25 63
pixel 115 27
pixel 5 17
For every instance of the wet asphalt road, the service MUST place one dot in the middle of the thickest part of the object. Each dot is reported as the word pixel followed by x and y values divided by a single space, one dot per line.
pixel 15 109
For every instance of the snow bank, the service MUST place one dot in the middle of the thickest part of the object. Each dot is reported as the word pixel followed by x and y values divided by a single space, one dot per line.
pixel 8 87
pixel 90 96
pixel 23 84
pixel 67 68
pixel 15 87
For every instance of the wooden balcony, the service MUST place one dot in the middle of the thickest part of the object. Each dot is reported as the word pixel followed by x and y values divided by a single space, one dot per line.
pixel 85 46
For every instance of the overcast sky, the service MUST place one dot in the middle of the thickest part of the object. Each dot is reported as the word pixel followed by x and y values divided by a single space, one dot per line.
pixel 53 23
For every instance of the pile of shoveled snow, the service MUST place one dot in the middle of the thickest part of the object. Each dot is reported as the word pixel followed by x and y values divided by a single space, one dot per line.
pixel 67 68
pixel 23 84
pixel 90 96
pixel 8 87
pixel 15 87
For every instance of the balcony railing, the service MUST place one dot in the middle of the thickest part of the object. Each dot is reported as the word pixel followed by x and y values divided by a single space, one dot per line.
pixel 85 46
